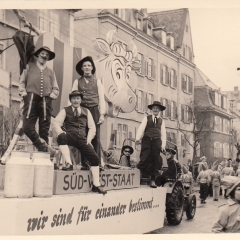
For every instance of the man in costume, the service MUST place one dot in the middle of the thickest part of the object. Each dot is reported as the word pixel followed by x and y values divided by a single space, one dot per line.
pixel 93 95
pixel 38 87
pixel 153 133
pixel 76 120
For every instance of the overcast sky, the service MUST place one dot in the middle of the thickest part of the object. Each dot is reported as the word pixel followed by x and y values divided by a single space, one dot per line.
pixel 216 44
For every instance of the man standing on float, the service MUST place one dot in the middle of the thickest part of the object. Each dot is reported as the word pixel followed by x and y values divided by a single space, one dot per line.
pixel 93 95
pixel 76 120
pixel 38 87
pixel 153 133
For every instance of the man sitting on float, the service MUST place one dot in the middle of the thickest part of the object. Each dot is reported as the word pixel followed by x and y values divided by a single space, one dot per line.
pixel 76 120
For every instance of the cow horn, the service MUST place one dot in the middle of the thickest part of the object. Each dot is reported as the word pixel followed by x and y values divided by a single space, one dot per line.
pixel 134 48
pixel 110 35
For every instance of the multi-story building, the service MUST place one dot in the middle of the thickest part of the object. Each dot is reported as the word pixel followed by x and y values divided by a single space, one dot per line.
pixel 213 119
pixel 165 50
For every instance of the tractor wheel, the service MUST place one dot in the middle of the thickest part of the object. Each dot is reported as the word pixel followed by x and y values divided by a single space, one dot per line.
pixel 174 205
pixel 191 206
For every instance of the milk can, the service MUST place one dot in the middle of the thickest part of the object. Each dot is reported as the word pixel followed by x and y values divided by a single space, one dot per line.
pixel 19 175
pixel 43 175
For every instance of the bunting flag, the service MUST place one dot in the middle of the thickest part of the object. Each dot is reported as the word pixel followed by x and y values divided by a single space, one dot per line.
pixel 63 65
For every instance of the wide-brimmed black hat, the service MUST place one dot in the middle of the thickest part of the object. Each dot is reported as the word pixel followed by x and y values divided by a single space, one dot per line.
pixel 157 103
pixel 51 54
pixel 127 146
pixel 170 150
pixel 80 63
pixel 75 93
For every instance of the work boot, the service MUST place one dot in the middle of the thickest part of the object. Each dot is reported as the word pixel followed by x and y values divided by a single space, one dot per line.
pixel 96 182
pixel 41 145
pixel 153 184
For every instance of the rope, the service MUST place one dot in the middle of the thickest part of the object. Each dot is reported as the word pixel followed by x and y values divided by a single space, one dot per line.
pixel 1 51
pixel 3 39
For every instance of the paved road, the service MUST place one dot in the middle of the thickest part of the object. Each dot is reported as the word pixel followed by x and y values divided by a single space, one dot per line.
pixel 202 222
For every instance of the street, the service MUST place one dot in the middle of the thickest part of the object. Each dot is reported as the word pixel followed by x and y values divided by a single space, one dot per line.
pixel 201 223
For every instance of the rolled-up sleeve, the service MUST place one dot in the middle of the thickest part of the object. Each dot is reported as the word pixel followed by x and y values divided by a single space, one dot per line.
pixel 55 92
pixel 22 82
pixel 163 134
pixel 91 127
pixel 58 122
pixel 141 129
pixel 102 106
pixel 222 220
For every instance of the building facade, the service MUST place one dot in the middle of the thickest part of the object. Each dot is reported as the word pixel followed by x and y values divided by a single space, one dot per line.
pixel 213 120
pixel 165 51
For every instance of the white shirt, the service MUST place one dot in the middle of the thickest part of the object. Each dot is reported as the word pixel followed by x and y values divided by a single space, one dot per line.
pixel 102 106
pixel 143 125
pixel 59 120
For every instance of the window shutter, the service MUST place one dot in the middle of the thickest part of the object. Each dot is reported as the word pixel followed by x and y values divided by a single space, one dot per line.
pixel 153 69
pixel 168 136
pixel 175 79
pixel 142 65
pixel 167 77
pixel 146 102
pixel 146 68
pixel 190 85
pixel 161 112
pixel 183 82
pixel 182 112
pixel 167 109
pixel 161 73
pixel 130 137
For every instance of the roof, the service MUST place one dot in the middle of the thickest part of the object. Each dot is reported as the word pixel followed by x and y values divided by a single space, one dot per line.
pixel 202 80
pixel 173 21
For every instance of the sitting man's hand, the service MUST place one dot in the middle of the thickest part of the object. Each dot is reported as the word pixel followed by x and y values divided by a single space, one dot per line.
pixel 101 119
pixel 163 150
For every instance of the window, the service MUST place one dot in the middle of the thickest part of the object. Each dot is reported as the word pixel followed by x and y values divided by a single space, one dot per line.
pixel 141 59
pixel 55 24
pixel 139 23
pixel 172 113
pixel 187 84
pixel 226 150
pixel 150 68
pixel 149 29
pixel 189 114
pixel 165 103
pixel 140 96
pixel 217 149
pixel 124 133
pixel 186 114
pixel 164 74
pixel 223 102
pixel 218 124
pixel 44 20
pixel 119 135
pixel 225 127
pixel 173 78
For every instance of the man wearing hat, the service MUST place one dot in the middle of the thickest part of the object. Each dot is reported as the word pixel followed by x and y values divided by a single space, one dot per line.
pixel 203 162
pixel 228 218
pixel 76 120
pixel 38 87
pixel 153 134
pixel 93 95
pixel 187 179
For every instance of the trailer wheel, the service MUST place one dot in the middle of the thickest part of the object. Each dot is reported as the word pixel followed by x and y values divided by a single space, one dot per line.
pixel 191 206
pixel 175 204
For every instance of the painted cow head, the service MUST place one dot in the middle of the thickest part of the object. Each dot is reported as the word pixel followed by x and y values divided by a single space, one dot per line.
pixel 115 70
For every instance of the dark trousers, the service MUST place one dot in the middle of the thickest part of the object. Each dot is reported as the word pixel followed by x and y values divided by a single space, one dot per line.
pixel 96 141
pixel 36 112
pixel 210 190
pixel 150 160
pixel 79 142
pixel 203 191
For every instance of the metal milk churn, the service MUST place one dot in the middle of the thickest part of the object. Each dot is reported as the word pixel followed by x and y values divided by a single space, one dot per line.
pixel 19 175
pixel 43 175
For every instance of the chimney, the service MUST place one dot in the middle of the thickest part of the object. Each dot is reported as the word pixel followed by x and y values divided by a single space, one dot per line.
pixel 160 34
pixel 144 11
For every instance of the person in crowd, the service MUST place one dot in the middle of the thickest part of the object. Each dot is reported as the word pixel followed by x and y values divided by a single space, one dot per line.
pixel 238 171
pixel 189 165
pixel 219 169
pixel 210 188
pixel 152 131
pixel 187 179
pixel 76 120
pixel 125 156
pixel 38 87
pixel 92 91
pixel 216 179
pixel 204 180
pixel 228 218
pixel 227 171
pixel 203 162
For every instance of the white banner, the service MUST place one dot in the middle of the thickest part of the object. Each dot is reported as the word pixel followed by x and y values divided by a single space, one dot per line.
pixel 129 211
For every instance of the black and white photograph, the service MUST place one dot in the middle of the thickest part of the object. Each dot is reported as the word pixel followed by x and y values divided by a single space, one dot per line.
pixel 119 120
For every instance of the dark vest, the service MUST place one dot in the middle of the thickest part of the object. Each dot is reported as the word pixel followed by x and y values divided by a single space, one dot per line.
pixel 33 80
pixel 89 91
pixel 153 130
pixel 76 124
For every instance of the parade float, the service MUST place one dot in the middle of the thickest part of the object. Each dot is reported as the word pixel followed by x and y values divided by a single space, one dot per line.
pixel 35 199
